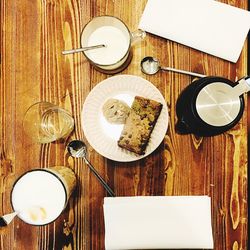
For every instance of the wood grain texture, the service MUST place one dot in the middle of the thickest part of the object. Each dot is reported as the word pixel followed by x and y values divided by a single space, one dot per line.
pixel 32 36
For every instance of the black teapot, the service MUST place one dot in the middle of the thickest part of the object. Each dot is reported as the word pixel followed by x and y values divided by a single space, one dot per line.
pixel 211 105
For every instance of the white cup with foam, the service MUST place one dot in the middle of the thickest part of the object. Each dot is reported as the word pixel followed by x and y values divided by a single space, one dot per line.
pixel 39 196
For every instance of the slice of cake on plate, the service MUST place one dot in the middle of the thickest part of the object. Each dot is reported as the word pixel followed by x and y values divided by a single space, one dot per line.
pixel 139 125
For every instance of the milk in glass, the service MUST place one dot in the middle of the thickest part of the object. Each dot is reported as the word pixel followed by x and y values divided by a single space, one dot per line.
pixel 116 45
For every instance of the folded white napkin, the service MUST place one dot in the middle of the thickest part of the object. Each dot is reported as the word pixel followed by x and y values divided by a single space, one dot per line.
pixel 207 25
pixel 158 222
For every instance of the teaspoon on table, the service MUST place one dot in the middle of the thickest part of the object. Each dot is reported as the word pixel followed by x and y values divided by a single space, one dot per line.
pixel 151 65
pixel 66 52
pixel 78 149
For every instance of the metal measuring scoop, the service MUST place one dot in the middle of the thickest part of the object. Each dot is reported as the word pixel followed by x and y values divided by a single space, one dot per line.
pixel 151 65
pixel 78 149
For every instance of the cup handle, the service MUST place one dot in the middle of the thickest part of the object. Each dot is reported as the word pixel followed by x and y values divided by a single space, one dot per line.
pixel 137 36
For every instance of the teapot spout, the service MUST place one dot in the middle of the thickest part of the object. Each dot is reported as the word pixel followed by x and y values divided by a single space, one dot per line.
pixel 182 127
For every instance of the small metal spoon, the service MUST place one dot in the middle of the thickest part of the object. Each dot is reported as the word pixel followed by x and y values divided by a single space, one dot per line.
pixel 66 52
pixel 151 65
pixel 78 149
pixel 7 218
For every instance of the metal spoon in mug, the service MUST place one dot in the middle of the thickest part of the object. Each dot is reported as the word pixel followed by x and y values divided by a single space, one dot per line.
pixel 33 211
pixel 66 52
pixel 151 65
pixel 7 218
pixel 78 149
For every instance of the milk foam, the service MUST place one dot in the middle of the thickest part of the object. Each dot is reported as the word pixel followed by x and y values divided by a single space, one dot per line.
pixel 38 197
pixel 116 42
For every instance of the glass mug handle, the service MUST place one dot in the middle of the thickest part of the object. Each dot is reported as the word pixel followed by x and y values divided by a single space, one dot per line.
pixel 137 36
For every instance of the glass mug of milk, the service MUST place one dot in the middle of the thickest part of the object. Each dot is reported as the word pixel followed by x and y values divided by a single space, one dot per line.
pixel 115 35
pixel 39 196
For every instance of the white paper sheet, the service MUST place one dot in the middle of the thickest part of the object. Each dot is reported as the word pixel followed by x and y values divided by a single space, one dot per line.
pixel 158 222
pixel 207 25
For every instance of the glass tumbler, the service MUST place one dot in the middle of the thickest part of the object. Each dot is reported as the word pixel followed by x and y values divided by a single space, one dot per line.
pixel 45 122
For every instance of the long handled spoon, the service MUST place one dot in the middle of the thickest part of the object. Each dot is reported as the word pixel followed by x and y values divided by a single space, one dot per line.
pixel 78 149
pixel 66 52
pixel 7 218
pixel 151 65
pixel 34 211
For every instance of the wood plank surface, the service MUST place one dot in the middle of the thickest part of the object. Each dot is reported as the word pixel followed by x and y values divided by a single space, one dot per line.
pixel 32 36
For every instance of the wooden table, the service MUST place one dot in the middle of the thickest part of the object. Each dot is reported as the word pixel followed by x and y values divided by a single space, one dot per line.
pixel 33 34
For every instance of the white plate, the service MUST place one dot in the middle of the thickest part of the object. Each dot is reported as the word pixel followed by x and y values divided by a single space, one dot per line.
pixel 102 135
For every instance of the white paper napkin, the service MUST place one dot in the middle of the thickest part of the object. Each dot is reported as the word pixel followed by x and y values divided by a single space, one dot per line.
pixel 207 25
pixel 158 222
